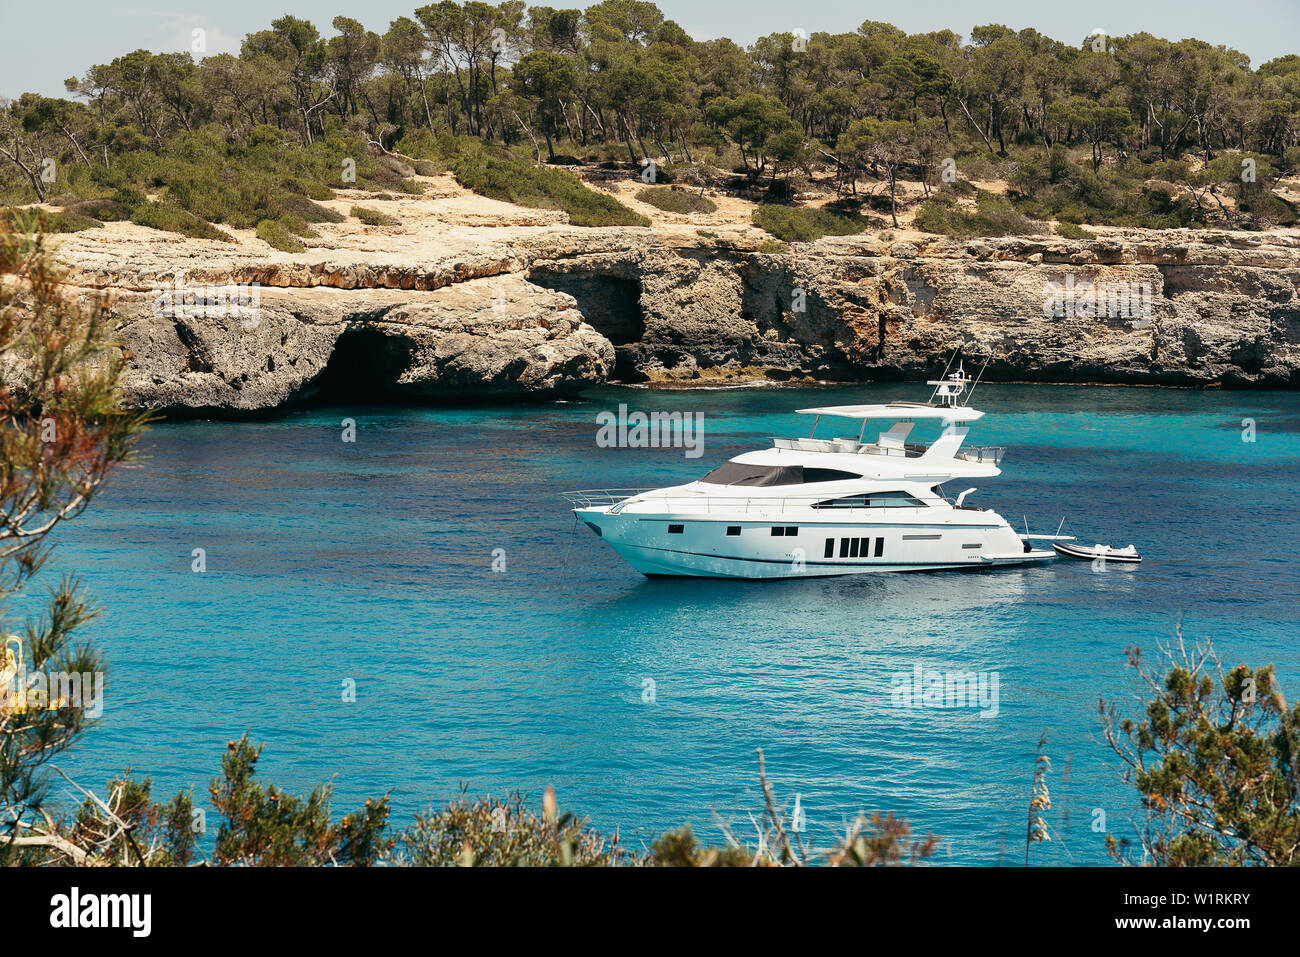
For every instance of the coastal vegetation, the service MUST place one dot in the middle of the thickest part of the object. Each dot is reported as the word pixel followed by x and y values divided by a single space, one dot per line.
pixel 543 187
pixel 798 224
pixel 546 107
pixel 1212 755
pixel 63 432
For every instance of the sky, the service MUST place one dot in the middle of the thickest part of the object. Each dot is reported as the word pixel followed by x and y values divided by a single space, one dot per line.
pixel 42 43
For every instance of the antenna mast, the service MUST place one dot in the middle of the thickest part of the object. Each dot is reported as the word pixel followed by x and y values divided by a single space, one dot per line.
pixel 977 380
pixel 956 352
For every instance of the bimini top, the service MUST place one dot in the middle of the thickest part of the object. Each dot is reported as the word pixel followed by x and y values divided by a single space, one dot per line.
pixel 899 410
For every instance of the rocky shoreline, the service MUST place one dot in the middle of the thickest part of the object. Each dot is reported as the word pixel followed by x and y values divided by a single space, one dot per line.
pixel 502 303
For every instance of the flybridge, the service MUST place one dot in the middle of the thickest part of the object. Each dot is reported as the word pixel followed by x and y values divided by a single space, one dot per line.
pixel 899 410
pixel 944 406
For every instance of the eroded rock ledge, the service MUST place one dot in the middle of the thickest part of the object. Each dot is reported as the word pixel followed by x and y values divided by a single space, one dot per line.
pixel 546 309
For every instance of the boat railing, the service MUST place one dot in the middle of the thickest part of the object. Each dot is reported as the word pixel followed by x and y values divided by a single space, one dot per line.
pixel 598 497
pixel 847 445
pixel 812 445
pixel 983 454
pixel 757 505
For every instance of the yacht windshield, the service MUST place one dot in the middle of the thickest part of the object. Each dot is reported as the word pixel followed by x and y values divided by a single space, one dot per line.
pixel 735 473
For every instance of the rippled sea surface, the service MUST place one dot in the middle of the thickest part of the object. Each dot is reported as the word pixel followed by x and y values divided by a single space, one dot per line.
pixel 372 561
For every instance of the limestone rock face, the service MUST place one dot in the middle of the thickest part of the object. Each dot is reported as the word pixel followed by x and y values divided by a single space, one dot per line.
pixel 1217 310
pixel 543 308
pixel 497 337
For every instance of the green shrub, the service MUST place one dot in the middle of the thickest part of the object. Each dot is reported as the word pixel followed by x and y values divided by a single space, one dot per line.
pixel 128 197
pixel 172 219
pixel 541 187
pixel 797 224
pixel 309 188
pixel 275 234
pixel 680 848
pixel 298 226
pixel 65 222
pixel 412 186
pixel 1071 231
pixel 1264 207
pixel 305 209
pixel 993 216
pixel 105 210
pixel 262 825
pixel 509 833
pixel 373 217
pixel 676 200
pixel 772 246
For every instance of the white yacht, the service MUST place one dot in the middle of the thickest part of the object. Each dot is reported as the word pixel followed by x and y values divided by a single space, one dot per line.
pixel 810 507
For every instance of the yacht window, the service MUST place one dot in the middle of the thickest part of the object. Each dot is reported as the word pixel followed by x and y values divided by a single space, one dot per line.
pixel 733 529
pixel 830 548
pixel 873 500
pixel 880 547
pixel 853 547
pixel 781 530
pixel 737 473
pixel 827 475
pixel 675 529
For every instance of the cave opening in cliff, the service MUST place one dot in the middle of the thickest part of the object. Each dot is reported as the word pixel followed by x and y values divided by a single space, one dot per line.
pixel 610 304
pixel 362 368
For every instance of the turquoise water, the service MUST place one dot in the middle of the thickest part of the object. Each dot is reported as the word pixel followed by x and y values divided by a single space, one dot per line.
pixel 372 561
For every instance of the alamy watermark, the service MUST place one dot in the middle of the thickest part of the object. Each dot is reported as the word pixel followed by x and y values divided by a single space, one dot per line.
pixel 183 300
pixel 921 688
pixel 654 430
pixel 1098 300
pixel 46 690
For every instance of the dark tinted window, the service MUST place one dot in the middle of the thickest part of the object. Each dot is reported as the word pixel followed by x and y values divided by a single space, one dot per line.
pixel 873 500
pixel 735 473
pixel 675 529
pixel 733 529
pixel 827 475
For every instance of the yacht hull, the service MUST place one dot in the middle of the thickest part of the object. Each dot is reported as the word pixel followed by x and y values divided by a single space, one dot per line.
pixel 685 545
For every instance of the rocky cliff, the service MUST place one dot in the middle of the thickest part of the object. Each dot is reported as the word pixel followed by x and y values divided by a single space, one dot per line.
pixel 461 302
